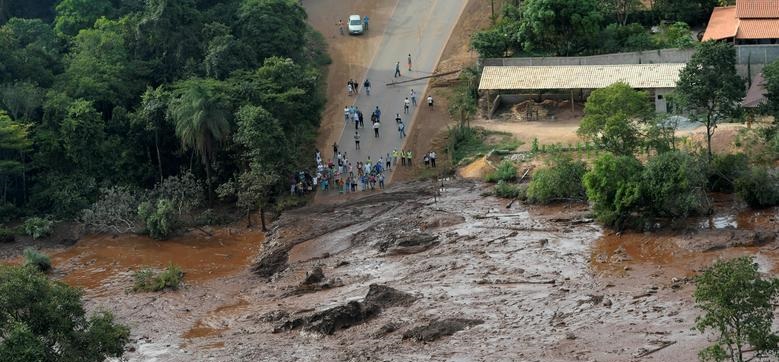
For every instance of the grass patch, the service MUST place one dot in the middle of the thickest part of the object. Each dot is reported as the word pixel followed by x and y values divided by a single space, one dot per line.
pixel 37 227
pixel 145 280
pixel 37 260
pixel 506 171
pixel 468 142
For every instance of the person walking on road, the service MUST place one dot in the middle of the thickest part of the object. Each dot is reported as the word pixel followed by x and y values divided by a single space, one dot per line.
pixel 356 140
pixel 397 118
pixel 381 181
pixel 432 158
pixel 360 118
pixel 406 103
pixel 347 113
pixel 389 162
pixel 402 129
pixel 349 89
pixel 377 112
pixel 397 69
pixel 409 63
pixel 376 126
pixel 430 101
pixel 340 25
pixel 367 85
pixel 413 96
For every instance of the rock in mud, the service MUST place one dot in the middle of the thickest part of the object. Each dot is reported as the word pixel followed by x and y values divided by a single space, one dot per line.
pixel 274 316
pixel 315 276
pixel 440 328
pixel 386 297
pixel 353 313
pixel 271 262
pixel 409 244
pixel 386 329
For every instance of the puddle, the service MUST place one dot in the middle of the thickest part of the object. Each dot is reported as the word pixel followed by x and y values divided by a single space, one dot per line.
pixel 201 330
pixel 95 259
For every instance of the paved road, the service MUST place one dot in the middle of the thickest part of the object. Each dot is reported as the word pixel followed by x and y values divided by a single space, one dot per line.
pixel 419 27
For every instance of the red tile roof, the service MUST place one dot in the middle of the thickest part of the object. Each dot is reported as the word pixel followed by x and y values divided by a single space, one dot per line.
pixel 757 9
pixel 758 29
pixel 722 24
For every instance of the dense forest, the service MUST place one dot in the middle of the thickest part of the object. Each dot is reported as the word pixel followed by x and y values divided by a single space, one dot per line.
pixel 113 97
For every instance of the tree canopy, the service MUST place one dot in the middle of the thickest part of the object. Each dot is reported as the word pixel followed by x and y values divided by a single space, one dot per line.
pixel 43 320
pixel 563 27
pixel 613 117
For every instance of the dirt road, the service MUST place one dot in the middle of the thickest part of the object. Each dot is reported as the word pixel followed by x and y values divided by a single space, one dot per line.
pixel 419 28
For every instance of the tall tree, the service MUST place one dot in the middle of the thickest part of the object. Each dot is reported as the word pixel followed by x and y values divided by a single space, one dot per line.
pixel 284 19
pixel 14 142
pixel 738 304
pixel 563 27
pixel 709 86
pixel 152 113
pixel 613 117
pixel 74 15
pixel 771 74
pixel 30 51
pixel 97 68
pixel 262 138
pixel 620 9
pixel 200 111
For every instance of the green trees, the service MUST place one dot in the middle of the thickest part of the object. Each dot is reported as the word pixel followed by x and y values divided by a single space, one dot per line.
pixel 614 188
pixel 74 15
pixel 710 87
pixel 127 93
pixel 758 187
pixel 43 320
pixel 272 28
pixel 771 74
pixel 563 27
pixel 623 192
pixel 612 118
pixel 201 114
pixel 560 180
pixel 738 304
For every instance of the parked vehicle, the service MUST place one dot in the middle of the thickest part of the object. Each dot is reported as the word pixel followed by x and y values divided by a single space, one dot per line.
pixel 355 25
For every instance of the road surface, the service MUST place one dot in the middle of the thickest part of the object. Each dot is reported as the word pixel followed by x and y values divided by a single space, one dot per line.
pixel 418 27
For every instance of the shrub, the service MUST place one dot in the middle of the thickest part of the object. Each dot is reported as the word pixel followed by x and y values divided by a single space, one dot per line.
pixel 115 211
pixel 509 191
pixel 560 180
pixel 146 281
pixel 37 227
pixel 159 219
pixel 673 184
pixel 614 188
pixel 37 260
pixel 7 235
pixel 45 320
pixel 758 188
pixel 725 169
pixel 506 171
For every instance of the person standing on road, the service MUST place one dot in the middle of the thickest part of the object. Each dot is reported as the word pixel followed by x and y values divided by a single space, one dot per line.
pixel 367 85
pixel 397 118
pixel 402 129
pixel 376 126
pixel 413 96
pixel 349 89
pixel 347 113
pixel 381 181
pixel 432 158
pixel 406 103
pixel 360 117
pixel 377 112
pixel 409 63
pixel 356 87
pixel 340 25
pixel 389 162
pixel 430 101
pixel 335 149
pixel 365 22
pixel 409 157
pixel 397 69
pixel 356 140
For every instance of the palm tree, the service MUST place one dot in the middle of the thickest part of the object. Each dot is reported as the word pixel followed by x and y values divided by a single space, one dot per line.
pixel 200 112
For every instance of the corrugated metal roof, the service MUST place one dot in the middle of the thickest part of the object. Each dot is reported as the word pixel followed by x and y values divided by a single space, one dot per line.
pixel 757 9
pixel 758 29
pixel 722 24
pixel 646 76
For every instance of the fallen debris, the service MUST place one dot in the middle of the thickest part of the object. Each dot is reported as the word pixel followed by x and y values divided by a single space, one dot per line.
pixel 440 328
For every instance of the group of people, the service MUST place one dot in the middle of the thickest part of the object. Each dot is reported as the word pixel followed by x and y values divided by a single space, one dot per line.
pixel 344 176
pixel 353 87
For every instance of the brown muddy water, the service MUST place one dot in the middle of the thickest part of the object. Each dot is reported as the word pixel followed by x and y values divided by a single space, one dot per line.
pixel 97 259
